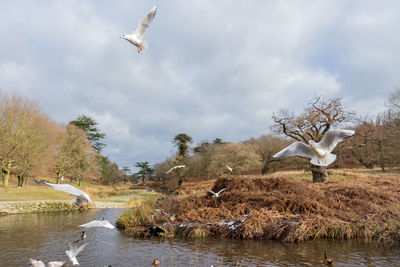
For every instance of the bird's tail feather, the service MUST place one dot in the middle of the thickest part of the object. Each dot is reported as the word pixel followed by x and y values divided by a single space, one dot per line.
pixel 144 45
pixel 324 161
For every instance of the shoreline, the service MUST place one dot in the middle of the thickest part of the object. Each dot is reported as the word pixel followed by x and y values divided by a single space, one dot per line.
pixel 276 208
pixel 41 206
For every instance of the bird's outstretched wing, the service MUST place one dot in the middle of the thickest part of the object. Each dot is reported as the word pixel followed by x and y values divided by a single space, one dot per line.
pixel 222 190
pixel 175 167
pixel 74 251
pixel 333 137
pixel 37 263
pixel 209 191
pixel 79 250
pixel 67 188
pixel 229 168
pixel 144 23
pixel 295 149
pixel 97 223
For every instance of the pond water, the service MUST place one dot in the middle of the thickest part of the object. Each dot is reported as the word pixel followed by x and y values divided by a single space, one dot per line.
pixel 45 236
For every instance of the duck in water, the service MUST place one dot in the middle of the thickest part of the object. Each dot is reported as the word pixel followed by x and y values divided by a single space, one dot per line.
pixel 327 261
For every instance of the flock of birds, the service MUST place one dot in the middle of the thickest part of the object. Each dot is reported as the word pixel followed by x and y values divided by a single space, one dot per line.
pixel 319 153
pixel 81 199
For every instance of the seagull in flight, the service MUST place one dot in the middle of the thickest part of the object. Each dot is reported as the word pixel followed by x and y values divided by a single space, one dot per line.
pixel 81 197
pixel 218 193
pixel 136 36
pixel 229 168
pixel 98 223
pixel 175 167
pixel 74 250
pixel 320 153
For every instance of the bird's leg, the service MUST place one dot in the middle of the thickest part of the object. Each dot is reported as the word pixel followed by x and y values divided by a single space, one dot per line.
pixel 138 49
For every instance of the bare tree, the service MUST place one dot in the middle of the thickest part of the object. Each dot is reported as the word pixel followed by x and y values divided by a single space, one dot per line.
pixel 318 117
pixel 22 140
pixel 266 146
pixel 394 100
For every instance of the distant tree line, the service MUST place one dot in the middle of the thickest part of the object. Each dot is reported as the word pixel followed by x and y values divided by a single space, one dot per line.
pixel 376 143
pixel 32 145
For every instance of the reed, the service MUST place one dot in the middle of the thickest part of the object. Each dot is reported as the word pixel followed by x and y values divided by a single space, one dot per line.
pixel 293 210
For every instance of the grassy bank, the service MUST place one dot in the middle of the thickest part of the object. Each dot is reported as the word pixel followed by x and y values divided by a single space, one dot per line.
pixel 42 198
pixel 282 207
pixel 97 192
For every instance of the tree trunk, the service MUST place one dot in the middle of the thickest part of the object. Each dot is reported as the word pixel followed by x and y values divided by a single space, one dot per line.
pixel 7 174
pixel 319 173
pixel 58 177
pixel 25 179
pixel 265 168
pixel 19 181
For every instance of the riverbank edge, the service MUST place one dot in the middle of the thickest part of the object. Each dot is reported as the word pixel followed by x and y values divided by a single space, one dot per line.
pixel 276 208
pixel 40 206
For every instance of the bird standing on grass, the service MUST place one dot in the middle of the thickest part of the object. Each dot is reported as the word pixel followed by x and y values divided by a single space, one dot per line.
pixel 136 37
pixel 320 153
pixel 218 193
pixel 327 261
pixel 81 197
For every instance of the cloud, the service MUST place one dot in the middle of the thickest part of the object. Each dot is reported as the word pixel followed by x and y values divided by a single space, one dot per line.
pixel 213 69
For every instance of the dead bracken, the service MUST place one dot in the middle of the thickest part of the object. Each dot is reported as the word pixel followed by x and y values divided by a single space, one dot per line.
pixel 287 210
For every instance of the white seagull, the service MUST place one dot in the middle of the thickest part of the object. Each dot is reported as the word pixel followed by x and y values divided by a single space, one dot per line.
pixel 39 263
pixel 320 153
pixel 73 251
pixel 175 167
pixel 81 197
pixel 229 168
pixel 98 223
pixel 56 263
pixel 136 37
pixel 218 193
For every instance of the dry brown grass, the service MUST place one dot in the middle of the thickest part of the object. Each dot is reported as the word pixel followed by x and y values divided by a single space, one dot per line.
pixel 292 210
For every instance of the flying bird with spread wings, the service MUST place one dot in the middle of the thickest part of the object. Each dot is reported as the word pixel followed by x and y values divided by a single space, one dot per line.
pixel 98 223
pixel 74 250
pixel 218 193
pixel 320 153
pixel 229 168
pixel 136 37
pixel 81 197
pixel 175 167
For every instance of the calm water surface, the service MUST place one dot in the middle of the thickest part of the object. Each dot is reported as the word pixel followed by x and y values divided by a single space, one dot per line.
pixel 45 236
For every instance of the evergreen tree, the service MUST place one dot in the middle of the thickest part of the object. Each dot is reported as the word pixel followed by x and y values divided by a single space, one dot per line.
pixel 93 134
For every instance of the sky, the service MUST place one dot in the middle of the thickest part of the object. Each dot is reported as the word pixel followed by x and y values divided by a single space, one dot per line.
pixel 213 68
